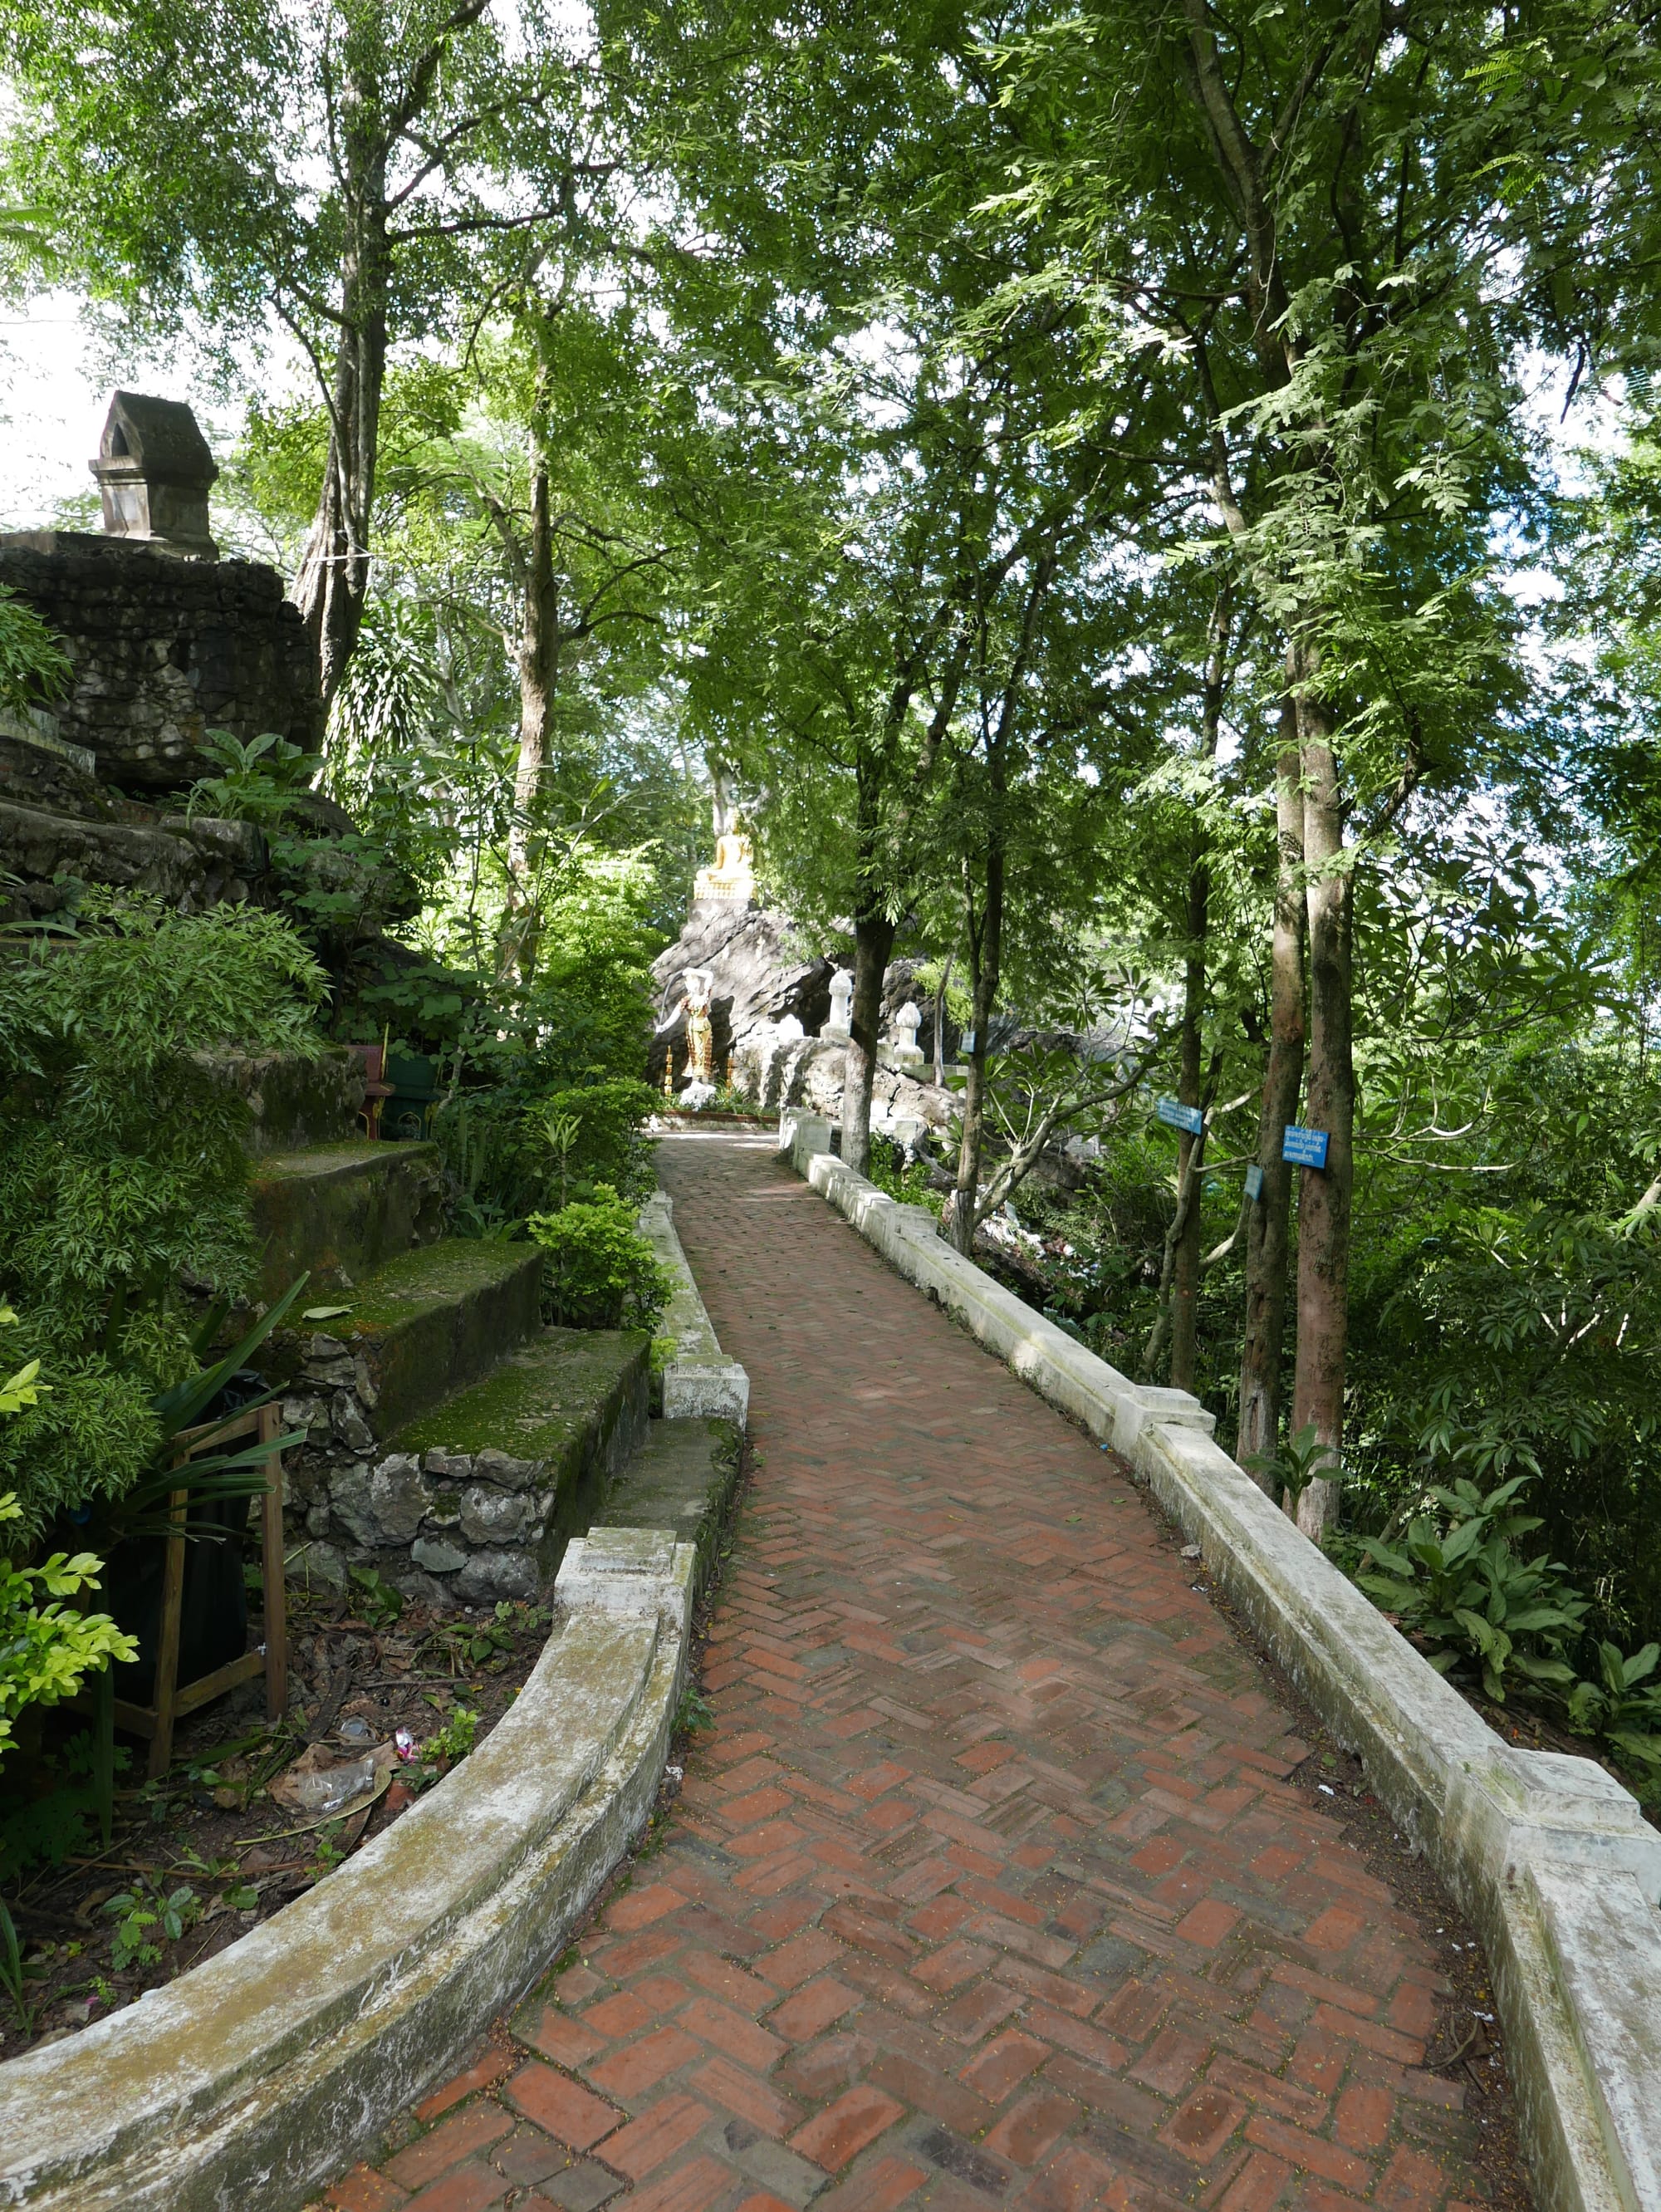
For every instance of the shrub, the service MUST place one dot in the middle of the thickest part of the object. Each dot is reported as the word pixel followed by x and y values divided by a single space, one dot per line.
pixel 1464 1588
pixel 123 1169
pixel 33 665
pixel 601 1272
pixel 46 1651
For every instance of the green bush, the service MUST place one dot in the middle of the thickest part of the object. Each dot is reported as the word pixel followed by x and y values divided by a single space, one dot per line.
pixel 600 1273
pixel 1461 1584
pixel 34 667
pixel 47 1650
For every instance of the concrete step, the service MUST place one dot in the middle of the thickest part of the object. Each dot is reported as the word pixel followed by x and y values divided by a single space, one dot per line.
pixel 682 1478
pixel 291 1101
pixel 343 1209
pixel 422 1326
pixel 502 1475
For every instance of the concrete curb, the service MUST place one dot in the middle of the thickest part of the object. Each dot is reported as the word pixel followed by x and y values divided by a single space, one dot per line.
pixel 249 2080
pixel 701 1382
pixel 1551 1859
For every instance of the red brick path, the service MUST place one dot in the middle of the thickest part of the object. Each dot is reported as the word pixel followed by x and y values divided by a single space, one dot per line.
pixel 984 1889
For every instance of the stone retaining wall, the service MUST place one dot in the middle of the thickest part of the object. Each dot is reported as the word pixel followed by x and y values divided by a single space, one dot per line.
pixel 455 1527
pixel 164 649
pixel 1551 1859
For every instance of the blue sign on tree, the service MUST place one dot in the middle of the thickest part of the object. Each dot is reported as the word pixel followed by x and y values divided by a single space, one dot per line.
pixel 1254 1182
pixel 1190 1118
pixel 1304 1148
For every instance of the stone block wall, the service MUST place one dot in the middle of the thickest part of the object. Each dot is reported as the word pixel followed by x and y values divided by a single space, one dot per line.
pixel 453 1529
pixel 454 1525
pixel 164 649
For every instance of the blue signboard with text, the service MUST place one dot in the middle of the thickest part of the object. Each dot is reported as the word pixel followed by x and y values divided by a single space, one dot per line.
pixel 1254 1182
pixel 1304 1148
pixel 1190 1118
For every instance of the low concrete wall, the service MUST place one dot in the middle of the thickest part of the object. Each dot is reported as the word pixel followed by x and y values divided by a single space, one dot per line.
pixel 1552 1859
pixel 248 2081
pixel 701 1382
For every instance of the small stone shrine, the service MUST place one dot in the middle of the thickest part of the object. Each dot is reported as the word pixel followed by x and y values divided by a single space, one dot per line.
pixel 155 472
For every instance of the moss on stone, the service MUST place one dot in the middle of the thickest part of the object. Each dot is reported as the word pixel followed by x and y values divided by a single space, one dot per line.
pixel 344 1211
pixel 536 1401
pixel 457 1268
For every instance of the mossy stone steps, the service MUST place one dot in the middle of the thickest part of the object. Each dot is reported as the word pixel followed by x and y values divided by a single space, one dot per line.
pixel 683 1478
pixel 422 1326
pixel 558 1418
pixel 292 1098
pixel 341 1210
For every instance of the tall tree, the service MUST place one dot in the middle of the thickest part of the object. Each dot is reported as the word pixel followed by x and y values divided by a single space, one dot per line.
pixel 350 172
pixel 1298 204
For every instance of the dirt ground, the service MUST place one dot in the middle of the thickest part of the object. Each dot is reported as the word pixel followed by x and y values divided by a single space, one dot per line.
pixel 197 1858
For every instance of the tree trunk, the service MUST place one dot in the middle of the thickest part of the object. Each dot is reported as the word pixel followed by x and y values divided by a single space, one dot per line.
pixel 539 648
pixel 333 579
pixel 986 955
pixel 1324 1199
pixel 1268 1222
pixel 873 941
pixel 1190 1150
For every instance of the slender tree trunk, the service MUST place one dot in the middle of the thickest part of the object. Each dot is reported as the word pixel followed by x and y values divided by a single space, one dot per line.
pixel 940 1023
pixel 539 650
pixel 1324 1200
pixel 333 579
pixel 1268 1222
pixel 873 941
pixel 985 956
pixel 1190 1150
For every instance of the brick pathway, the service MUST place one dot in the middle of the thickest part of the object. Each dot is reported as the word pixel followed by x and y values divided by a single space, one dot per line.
pixel 983 1890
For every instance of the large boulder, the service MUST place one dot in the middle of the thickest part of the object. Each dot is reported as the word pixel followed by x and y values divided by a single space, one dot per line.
pixel 764 970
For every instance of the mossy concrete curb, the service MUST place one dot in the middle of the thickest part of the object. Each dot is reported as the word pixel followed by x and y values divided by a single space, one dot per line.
pixel 247 2083
pixel 699 1383
pixel 683 1478
pixel 1552 1859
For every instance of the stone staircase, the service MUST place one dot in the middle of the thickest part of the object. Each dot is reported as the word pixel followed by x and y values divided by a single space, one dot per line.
pixel 455 1445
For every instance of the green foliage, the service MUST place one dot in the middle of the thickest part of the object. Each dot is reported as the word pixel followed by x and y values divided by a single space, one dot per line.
pixel 552 1103
pixel 34 667
pixel 46 1651
pixel 42 1829
pixel 375 1600
pixel 1623 1706
pixel 145 1916
pixel 455 1738
pixel 600 1272
pixel 123 1169
pixel 1299 1460
pixel 908 1182
pixel 1459 1582
pixel 255 781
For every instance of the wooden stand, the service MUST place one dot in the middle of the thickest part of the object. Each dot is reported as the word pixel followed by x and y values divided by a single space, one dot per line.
pixel 157 1720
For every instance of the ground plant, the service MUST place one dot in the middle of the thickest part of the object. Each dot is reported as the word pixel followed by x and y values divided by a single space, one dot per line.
pixel 600 1273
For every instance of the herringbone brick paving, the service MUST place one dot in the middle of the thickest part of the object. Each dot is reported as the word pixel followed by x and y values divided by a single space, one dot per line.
pixel 984 1888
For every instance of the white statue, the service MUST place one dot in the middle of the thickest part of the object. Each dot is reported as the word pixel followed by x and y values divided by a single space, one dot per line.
pixel 903 1049
pixel 791 1031
pixel 840 1024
